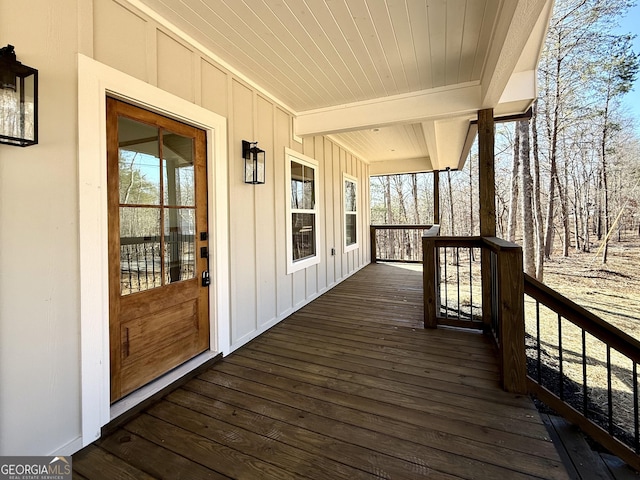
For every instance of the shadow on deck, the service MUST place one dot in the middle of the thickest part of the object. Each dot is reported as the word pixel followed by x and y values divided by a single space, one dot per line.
pixel 351 386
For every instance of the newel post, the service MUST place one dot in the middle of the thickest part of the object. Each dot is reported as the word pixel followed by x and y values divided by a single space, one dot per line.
pixel 511 330
pixel 374 246
pixel 429 281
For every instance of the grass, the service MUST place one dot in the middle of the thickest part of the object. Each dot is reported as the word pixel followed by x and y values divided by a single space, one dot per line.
pixel 612 292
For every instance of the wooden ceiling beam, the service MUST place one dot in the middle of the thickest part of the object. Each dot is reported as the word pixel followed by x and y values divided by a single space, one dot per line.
pixel 416 107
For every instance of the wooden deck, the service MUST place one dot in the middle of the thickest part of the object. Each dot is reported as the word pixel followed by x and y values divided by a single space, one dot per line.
pixel 349 387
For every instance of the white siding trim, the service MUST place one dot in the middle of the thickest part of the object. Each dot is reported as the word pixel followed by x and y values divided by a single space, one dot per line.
pixel 95 81
pixel 354 246
pixel 292 155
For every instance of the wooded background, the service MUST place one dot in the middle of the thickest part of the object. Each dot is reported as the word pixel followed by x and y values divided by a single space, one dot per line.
pixel 569 177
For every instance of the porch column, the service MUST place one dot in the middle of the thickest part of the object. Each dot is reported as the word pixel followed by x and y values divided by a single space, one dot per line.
pixel 487 194
pixel 436 197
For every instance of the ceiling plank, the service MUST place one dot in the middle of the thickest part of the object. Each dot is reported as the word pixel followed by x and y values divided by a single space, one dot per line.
pixel 455 31
pixel 437 14
pixel 419 24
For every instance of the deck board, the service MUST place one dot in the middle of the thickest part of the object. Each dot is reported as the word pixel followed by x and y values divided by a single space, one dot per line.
pixel 351 386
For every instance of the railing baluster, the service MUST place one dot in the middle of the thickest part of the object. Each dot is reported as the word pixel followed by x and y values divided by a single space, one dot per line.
pixel 458 277
pixel 635 408
pixel 585 403
pixel 609 392
pixel 619 434
pixel 129 268
pixel 446 284
pixel 146 264
pixel 538 346
pixel 153 261
pixel 470 250
pixel 560 357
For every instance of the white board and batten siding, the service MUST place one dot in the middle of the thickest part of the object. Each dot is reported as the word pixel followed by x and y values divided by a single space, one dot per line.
pixel 47 327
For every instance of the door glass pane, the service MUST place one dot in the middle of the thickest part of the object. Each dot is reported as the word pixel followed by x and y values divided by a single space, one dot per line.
pixel 139 162
pixel 179 185
pixel 304 236
pixel 140 259
pixel 302 187
pixel 179 244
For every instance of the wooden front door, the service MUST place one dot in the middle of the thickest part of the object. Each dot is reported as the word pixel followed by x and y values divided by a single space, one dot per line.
pixel 158 245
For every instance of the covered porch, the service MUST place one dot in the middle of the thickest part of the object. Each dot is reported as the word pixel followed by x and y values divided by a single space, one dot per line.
pixel 350 386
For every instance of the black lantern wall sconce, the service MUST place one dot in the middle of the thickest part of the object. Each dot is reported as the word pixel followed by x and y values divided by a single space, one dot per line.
pixel 18 100
pixel 254 163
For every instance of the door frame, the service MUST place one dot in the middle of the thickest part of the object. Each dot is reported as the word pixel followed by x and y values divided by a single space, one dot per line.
pixel 96 81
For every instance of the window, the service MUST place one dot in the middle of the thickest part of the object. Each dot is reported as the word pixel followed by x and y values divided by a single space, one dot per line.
pixel 302 211
pixel 350 209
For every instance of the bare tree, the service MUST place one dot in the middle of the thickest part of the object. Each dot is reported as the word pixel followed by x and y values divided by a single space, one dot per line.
pixel 617 77
pixel 414 194
pixel 526 203
pixel 513 199
pixel 537 205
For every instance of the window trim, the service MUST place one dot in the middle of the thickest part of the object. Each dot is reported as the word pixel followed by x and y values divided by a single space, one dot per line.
pixel 294 266
pixel 348 248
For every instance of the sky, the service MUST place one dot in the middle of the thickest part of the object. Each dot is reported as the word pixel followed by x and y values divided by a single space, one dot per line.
pixel 631 24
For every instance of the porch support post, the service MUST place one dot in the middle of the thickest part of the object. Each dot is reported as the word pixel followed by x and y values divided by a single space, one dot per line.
pixel 510 304
pixel 430 283
pixel 436 197
pixel 373 244
pixel 487 194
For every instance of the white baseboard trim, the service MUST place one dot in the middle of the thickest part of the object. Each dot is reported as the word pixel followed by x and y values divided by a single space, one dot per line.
pixel 69 449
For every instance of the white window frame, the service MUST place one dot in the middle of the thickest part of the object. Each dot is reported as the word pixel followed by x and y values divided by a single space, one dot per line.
pixel 349 178
pixel 294 266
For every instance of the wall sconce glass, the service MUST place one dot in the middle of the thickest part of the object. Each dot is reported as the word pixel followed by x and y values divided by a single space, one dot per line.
pixel 18 100
pixel 254 162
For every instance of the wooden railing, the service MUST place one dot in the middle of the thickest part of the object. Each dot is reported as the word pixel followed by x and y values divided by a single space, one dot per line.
pixel 584 368
pixel 547 344
pixel 397 243
pixel 452 273
pixel 141 261
pixel 493 304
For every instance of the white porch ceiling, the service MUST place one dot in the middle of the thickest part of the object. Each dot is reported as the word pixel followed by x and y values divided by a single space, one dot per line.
pixel 392 80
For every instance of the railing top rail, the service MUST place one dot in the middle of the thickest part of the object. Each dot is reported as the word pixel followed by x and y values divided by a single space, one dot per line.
pixel 401 227
pixel 454 241
pixel 583 318
pixel 497 244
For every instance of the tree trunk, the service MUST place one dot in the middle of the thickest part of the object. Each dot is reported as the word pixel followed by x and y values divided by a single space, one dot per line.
pixel 512 221
pixel 387 200
pixel 598 222
pixel 539 232
pixel 398 183
pixel 526 200
pixel 605 189
pixel 548 244
pixel 564 204
pixel 414 193
pixel 577 214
